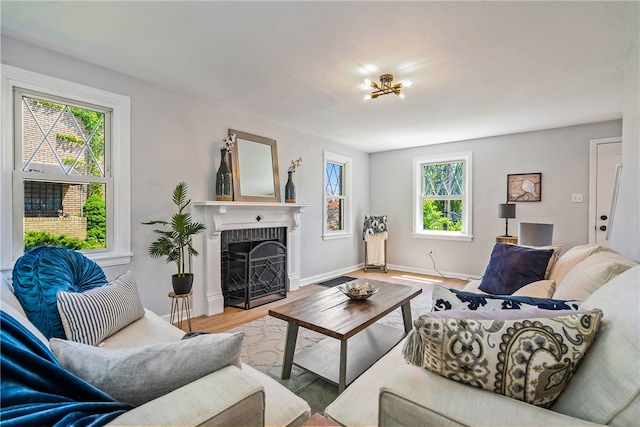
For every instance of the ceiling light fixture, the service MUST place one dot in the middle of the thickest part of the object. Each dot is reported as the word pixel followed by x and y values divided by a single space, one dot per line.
pixel 385 87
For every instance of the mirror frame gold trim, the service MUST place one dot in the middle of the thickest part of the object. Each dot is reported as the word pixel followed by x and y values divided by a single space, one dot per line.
pixel 236 167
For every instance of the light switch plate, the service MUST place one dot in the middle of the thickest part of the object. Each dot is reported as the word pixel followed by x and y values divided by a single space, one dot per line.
pixel 577 197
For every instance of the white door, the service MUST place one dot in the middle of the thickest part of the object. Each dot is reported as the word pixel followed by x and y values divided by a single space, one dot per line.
pixel 606 155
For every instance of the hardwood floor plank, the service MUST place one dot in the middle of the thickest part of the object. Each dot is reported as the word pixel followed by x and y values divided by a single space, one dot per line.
pixel 233 316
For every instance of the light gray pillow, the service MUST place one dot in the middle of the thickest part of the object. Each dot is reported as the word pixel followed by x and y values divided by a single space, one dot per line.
pixel 139 375
pixel 91 316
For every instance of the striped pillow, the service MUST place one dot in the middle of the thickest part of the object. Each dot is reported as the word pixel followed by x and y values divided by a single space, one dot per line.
pixel 91 316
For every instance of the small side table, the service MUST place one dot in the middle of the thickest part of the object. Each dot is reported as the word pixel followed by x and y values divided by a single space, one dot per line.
pixel 180 307
pixel 507 239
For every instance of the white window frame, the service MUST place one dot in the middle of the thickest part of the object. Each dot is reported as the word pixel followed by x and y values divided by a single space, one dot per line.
pixel 466 233
pixel 346 162
pixel 11 194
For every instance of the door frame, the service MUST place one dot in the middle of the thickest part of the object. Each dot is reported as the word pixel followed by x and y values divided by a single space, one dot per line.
pixel 593 171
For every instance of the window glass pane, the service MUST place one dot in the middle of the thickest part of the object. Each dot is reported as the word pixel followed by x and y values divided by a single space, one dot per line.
pixel 64 214
pixel 333 186
pixel 444 183
pixel 62 139
pixel 335 209
pixel 42 199
pixel 443 215
pixel 444 179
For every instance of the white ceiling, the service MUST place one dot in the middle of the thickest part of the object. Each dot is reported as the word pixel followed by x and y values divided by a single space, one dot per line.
pixel 479 68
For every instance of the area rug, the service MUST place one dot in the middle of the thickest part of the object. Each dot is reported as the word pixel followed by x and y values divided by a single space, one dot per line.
pixel 337 281
pixel 263 349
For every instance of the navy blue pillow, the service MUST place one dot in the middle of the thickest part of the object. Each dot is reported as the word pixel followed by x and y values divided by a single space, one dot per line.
pixel 452 299
pixel 39 274
pixel 511 267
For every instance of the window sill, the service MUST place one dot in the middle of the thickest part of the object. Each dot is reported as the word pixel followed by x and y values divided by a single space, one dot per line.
pixel 335 236
pixel 106 259
pixel 442 236
pixel 109 259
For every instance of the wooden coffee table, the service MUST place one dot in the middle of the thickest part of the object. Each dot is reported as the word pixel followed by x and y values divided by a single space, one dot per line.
pixel 350 322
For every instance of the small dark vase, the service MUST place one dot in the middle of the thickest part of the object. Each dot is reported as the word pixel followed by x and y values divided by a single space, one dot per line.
pixel 224 180
pixel 182 285
pixel 290 190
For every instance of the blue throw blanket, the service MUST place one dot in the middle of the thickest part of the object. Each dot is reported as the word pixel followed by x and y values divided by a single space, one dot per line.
pixel 37 391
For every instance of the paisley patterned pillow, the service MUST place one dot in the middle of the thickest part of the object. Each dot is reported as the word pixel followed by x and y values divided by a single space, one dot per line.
pixel 528 355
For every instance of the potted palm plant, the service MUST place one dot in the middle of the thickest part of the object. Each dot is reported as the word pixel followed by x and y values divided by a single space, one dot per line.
pixel 175 244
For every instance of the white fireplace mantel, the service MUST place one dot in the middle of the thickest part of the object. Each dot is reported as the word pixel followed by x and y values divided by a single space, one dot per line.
pixel 221 216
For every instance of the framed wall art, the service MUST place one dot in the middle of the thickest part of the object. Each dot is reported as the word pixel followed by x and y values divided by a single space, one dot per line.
pixel 524 187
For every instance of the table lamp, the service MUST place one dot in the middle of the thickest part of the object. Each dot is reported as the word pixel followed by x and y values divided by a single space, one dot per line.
pixel 506 210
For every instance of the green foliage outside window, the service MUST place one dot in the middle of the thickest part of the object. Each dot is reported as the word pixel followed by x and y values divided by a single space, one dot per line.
pixel 95 211
pixel 91 121
pixel 33 239
pixel 434 219
pixel 70 137
pixel 443 182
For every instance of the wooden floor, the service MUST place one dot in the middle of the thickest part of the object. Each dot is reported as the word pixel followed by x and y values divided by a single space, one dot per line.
pixel 233 317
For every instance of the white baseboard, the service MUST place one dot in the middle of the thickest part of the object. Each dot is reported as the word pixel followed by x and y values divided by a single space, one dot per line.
pixel 343 271
pixel 430 272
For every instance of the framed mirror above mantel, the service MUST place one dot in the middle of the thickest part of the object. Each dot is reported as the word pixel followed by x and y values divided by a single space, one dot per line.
pixel 255 168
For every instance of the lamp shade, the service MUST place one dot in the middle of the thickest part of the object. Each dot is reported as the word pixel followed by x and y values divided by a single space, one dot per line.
pixel 506 210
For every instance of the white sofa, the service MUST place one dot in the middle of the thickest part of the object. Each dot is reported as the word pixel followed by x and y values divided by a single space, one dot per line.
pixel 605 390
pixel 226 397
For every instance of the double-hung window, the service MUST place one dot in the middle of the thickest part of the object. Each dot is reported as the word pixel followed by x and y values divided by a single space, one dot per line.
pixel 65 168
pixel 337 196
pixel 442 196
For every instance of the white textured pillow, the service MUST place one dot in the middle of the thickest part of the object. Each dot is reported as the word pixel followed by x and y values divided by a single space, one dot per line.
pixel 539 289
pixel 139 375
pixel 589 275
pixel 570 259
pixel 91 316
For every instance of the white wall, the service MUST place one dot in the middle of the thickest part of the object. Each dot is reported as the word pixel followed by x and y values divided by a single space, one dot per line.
pixel 175 138
pixel 561 155
pixel 625 234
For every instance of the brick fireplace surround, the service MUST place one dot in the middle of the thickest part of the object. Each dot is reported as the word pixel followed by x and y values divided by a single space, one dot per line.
pixel 221 216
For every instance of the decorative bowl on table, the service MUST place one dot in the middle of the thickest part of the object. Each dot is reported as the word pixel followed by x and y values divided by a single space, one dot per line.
pixel 357 290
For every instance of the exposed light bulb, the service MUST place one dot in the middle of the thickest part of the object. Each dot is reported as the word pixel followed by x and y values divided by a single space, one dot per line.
pixel 407 83
pixel 367 82
pixel 401 95
pixel 366 97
